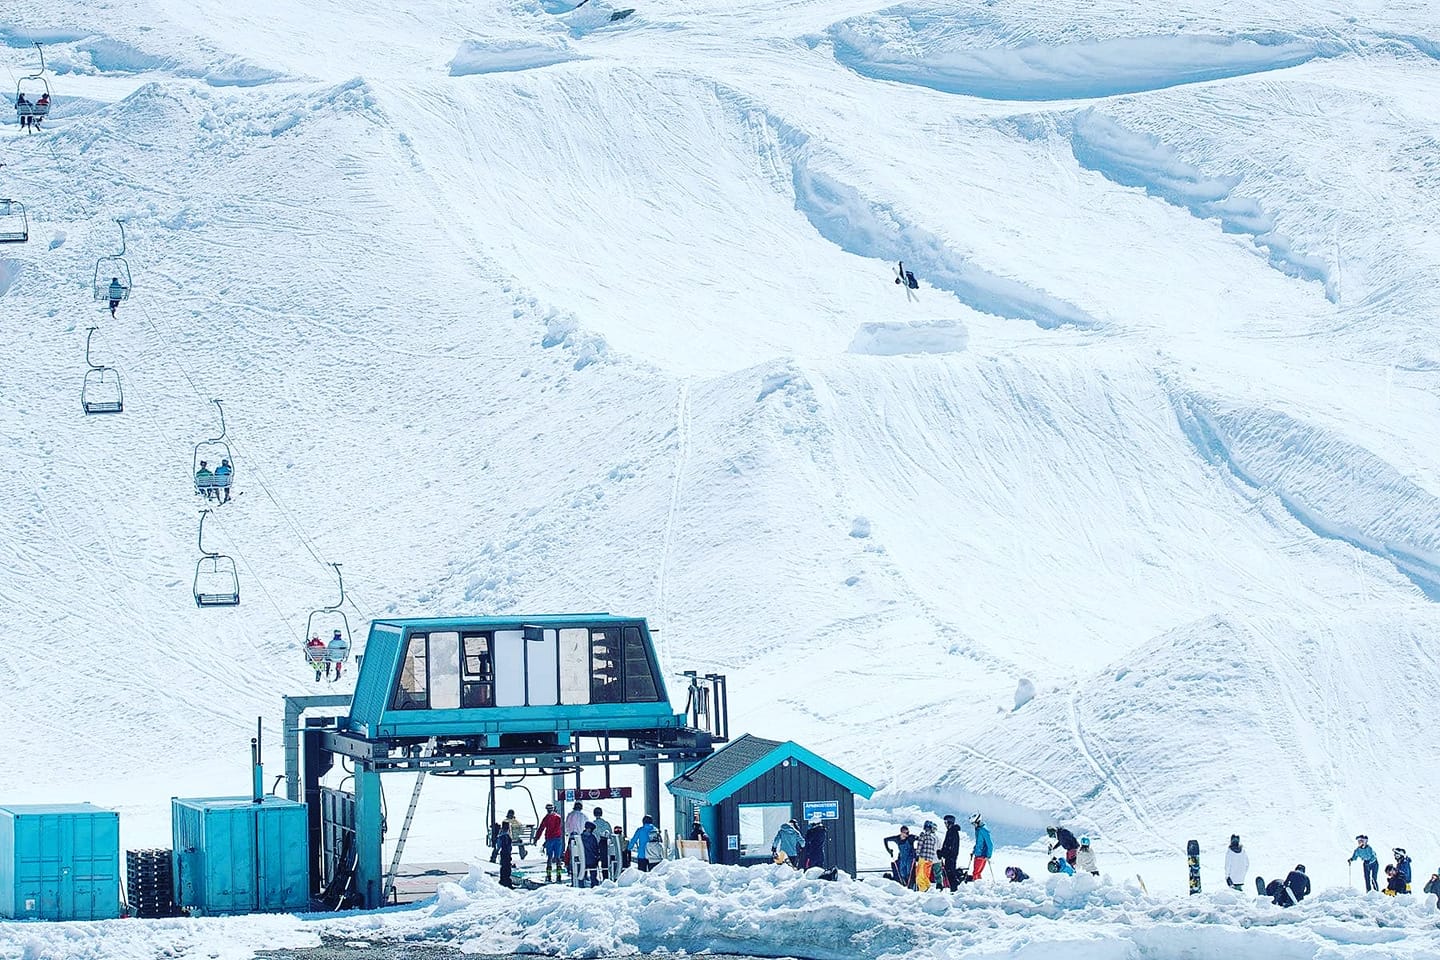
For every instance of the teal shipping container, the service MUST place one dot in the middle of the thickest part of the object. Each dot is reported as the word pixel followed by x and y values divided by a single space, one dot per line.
pixel 59 861
pixel 235 856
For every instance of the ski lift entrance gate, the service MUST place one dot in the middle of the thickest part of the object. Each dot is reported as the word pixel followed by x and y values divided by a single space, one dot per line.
pixel 511 714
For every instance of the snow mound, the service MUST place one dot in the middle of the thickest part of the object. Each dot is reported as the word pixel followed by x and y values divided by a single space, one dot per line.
pixel 1140 160
pixel 927 46
pixel 497 55
pixel 9 273
pixel 895 338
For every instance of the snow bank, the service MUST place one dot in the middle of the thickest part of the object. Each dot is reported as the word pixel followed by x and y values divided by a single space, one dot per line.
pixel 922 336
pixel 1139 160
pixel 9 273
pixel 497 55
pixel 930 47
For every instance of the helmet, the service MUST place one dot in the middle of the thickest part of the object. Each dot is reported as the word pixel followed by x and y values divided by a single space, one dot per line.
pixel 976 820
pixel 1050 832
pixel 1361 838
pixel 929 824
pixel 1299 868
pixel 1399 853
pixel 1084 841
pixel 949 818
pixel 1053 866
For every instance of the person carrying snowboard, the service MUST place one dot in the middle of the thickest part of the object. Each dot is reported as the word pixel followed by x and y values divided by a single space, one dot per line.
pixel 1237 863
pixel 950 852
pixel 982 851
pixel 1063 839
pixel 902 858
pixel 1369 863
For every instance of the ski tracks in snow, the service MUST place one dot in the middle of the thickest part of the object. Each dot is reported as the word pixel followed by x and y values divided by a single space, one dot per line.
pixel 682 455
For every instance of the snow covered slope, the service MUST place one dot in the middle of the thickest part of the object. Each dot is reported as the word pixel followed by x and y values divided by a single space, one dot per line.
pixel 516 309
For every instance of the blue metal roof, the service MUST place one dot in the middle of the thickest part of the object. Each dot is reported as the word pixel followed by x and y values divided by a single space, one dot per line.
pixel 227 803
pixel 697 783
pixel 486 623
pixel 50 809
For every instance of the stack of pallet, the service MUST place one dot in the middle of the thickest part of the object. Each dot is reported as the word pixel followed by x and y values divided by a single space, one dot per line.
pixel 149 882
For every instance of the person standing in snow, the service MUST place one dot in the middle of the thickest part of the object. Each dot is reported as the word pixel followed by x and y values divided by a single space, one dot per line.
pixel 1369 863
pixel 950 852
pixel 1403 866
pixel 640 844
pixel 1063 839
pixel 1085 859
pixel 902 858
pixel 574 826
pixel 591 844
pixel 605 837
pixel 815 844
pixel 1237 863
pixel 517 831
pixel 789 842
pixel 552 830
pixel 983 849
pixel 504 847
pixel 925 850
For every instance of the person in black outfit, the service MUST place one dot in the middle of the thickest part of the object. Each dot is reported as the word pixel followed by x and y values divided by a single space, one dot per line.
pixel 815 845
pixel 1060 837
pixel 949 851
pixel 1297 885
pixel 504 848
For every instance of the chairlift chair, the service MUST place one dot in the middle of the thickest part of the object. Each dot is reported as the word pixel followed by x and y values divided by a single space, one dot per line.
pixel 217 583
pixel 102 390
pixel 32 107
pixel 112 273
pixel 214 450
pixel 332 619
pixel 14 222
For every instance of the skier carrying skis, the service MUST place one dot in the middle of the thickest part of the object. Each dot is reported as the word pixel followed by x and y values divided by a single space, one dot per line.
pixel 1369 863
pixel 1237 863
pixel 950 852
pixel 902 858
pixel 1402 866
pixel 1062 838
pixel 980 854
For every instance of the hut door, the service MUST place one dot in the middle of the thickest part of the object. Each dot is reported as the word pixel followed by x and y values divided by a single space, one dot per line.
pixel 527 672
pixel 542 669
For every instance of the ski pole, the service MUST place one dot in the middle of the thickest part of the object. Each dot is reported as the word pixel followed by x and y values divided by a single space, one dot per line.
pixel 1350 873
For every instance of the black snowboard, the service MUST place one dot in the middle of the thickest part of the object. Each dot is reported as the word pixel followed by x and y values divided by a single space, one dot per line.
pixel 1192 860
pixel 1260 886
pixel 621 14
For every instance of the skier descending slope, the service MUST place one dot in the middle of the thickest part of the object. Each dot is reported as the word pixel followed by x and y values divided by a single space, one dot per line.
pixel 1237 863
pixel 907 279
pixel 1369 863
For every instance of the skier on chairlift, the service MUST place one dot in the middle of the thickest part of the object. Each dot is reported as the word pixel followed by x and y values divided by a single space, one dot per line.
pixel 203 478
pixel 116 293
pixel 336 653
pixel 24 115
pixel 315 653
pixel 222 474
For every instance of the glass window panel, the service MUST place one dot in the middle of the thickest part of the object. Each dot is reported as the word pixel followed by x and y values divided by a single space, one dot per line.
pixel 640 684
pixel 478 671
pixel 509 668
pixel 575 665
pixel 758 825
pixel 605 666
pixel 444 671
pixel 542 676
pixel 410 691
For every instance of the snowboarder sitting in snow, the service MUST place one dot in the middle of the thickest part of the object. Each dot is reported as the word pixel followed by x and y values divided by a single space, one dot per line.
pixel 1016 875
pixel 1085 859
pixel 902 858
pixel 116 292
pixel 1369 863
pixel 1403 867
pixel 1237 863
pixel 1297 885
pixel 1394 882
pixel 1062 838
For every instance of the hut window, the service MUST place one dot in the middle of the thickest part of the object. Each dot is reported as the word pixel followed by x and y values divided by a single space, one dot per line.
pixel 411 693
pixel 759 823
pixel 639 681
pixel 444 671
pixel 605 666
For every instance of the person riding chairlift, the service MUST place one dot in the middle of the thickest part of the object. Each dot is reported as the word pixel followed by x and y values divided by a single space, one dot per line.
pixel 336 653
pixel 116 292
pixel 203 476
pixel 315 653
pixel 24 115
pixel 222 474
